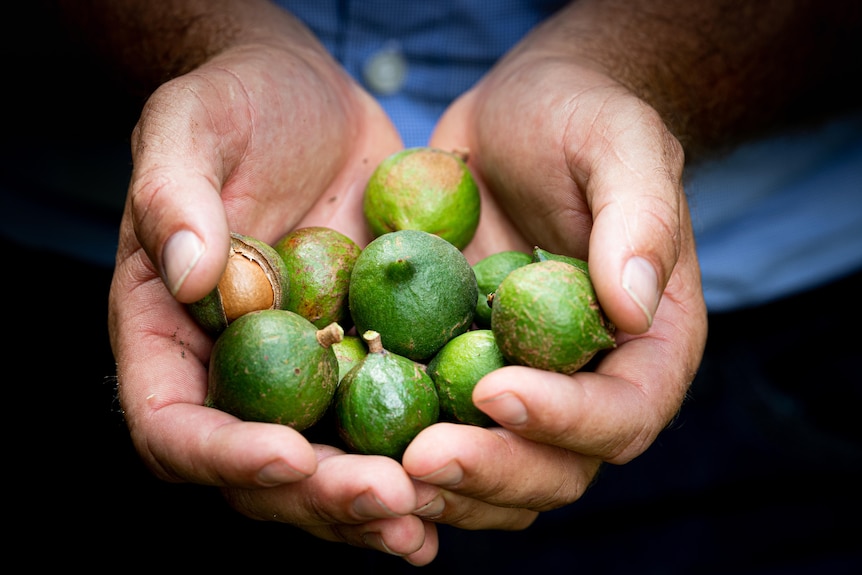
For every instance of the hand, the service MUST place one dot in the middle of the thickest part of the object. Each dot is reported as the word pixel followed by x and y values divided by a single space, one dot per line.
pixel 570 160
pixel 260 139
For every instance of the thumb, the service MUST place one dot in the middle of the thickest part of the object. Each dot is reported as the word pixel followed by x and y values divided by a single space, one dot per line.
pixel 636 197
pixel 175 204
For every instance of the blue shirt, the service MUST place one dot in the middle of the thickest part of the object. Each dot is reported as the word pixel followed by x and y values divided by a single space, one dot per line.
pixel 780 215
pixel 446 45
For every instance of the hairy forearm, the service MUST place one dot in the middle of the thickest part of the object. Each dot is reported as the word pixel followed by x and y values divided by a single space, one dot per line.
pixel 722 70
pixel 148 42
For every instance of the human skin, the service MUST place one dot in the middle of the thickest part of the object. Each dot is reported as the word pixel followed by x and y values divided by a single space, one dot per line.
pixel 258 131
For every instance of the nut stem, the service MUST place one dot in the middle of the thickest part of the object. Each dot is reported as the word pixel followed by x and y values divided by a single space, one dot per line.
pixel 333 333
pixel 372 338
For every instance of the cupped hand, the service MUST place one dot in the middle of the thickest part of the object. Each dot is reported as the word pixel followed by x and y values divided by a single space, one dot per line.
pixel 571 161
pixel 259 140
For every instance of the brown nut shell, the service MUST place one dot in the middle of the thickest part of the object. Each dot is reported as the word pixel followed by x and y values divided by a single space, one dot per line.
pixel 255 278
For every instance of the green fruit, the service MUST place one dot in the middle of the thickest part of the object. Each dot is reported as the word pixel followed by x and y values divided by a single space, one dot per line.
pixel 383 402
pixel 425 189
pixel 274 366
pixel 255 278
pixel 540 255
pixel 415 289
pixel 546 315
pixel 349 351
pixel 319 261
pixel 457 368
pixel 490 271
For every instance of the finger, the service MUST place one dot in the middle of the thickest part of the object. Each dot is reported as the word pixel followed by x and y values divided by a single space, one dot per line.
pixel 587 413
pixel 614 413
pixel 162 358
pixel 346 488
pixel 211 447
pixel 500 468
pixel 429 549
pixel 365 501
pixel 470 513
pixel 444 506
pixel 396 537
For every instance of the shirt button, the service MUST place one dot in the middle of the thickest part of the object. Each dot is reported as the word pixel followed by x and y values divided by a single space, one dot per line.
pixel 385 71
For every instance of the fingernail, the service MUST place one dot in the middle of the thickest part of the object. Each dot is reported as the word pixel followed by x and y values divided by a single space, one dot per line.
pixel 449 474
pixel 433 508
pixel 641 283
pixel 368 506
pixel 279 472
pixel 505 408
pixel 375 541
pixel 181 254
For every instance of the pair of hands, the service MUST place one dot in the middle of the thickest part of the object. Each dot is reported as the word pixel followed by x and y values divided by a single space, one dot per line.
pixel 269 136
